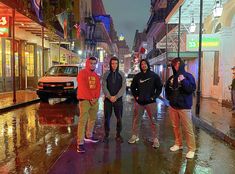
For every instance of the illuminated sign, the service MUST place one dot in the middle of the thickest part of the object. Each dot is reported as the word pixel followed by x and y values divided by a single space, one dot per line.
pixel 105 19
pixel 121 37
pixel 4 26
pixel 210 42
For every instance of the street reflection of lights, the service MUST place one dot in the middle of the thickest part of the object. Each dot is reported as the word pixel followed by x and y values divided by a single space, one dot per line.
pixel 69 129
pixel 48 149
pixel 56 141
pixel 27 169
pixel 10 130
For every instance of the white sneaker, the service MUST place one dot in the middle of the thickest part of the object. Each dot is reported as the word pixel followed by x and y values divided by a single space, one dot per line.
pixel 133 139
pixel 190 154
pixel 156 143
pixel 176 148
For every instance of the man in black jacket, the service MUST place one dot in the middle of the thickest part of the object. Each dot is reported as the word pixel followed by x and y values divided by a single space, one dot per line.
pixel 146 87
pixel 114 86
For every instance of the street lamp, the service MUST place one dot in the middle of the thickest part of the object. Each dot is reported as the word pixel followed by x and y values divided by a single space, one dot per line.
pixel 218 9
pixel 192 26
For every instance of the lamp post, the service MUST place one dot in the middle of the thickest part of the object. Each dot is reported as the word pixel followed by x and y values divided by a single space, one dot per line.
pixel 218 9
pixel 199 60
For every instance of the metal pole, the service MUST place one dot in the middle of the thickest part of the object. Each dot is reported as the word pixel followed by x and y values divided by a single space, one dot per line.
pixel 13 55
pixel 166 74
pixel 178 53
pixel 199 60
pixel 43 68
pixel 59 50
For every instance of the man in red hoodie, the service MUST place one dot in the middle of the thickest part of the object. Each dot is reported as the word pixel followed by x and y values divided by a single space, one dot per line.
pixel 88 94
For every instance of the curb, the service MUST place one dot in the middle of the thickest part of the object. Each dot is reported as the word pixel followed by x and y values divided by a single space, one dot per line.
pixel 18 105
pixel 207 127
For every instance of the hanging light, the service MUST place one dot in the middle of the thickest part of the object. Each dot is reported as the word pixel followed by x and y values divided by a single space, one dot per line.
pixel 218 9
pixel 192 26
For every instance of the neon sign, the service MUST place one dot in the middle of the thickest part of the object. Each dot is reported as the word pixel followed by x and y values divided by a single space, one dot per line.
pixel 210 42
pixel 4 26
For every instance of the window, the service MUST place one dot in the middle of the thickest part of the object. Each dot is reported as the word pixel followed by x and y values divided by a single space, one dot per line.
pixel 29 55
pixel 8 58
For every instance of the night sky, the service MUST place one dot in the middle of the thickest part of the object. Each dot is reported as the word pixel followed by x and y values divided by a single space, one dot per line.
pixel 128 16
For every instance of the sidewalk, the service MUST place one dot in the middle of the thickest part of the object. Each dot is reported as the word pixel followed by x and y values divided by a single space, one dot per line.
pixel 216 119
pixel 23 98
pixel 213 117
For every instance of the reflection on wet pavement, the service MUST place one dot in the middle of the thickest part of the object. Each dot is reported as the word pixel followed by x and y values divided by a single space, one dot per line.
pixel 32 138
pixel 141 158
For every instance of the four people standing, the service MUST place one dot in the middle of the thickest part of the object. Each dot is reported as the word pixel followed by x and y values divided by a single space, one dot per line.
pixel 114 86
pixel 179 91
pixel 146 87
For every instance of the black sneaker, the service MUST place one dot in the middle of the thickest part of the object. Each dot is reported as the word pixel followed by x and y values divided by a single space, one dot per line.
pixel 119 139
pixel 80 148
pixel 92 140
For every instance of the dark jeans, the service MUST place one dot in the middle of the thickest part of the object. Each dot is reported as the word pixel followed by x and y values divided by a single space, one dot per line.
pixel 118 108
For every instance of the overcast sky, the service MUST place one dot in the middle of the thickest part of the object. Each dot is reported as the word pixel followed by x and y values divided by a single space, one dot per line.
pixel 128 16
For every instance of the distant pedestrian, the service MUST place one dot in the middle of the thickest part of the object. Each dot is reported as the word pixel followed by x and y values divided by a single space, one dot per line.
pixel 146 87
pixel 232 87
pixel 114 86
pixel 179 91
pixel 88 94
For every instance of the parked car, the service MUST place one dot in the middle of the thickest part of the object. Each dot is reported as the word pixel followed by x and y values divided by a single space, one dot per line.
pixel 129 79
pixel 60 81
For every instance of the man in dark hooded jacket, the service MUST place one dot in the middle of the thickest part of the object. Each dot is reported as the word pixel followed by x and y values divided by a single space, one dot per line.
pixel 179 91
pixel 145 87
pixel 114 86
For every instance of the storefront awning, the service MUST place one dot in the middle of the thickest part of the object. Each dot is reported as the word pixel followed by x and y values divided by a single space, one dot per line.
pixel 27 24
pixel 161 59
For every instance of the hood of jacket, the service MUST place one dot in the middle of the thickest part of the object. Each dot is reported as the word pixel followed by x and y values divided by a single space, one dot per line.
pixel 110 66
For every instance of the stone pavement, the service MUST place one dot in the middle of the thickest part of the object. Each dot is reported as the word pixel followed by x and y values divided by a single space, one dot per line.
pixel 214 117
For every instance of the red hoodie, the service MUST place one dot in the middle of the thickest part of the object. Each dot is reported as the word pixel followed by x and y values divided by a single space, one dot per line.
pixel 88 83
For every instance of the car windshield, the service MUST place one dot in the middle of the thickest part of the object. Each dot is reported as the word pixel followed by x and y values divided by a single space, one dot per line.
pixel 71 71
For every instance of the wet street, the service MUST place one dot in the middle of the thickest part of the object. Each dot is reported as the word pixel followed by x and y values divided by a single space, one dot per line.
pixel 41 139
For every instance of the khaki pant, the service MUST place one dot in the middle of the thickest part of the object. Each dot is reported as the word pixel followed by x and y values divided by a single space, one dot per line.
pixel 86 121
pixel 138 113
pixel 185 117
